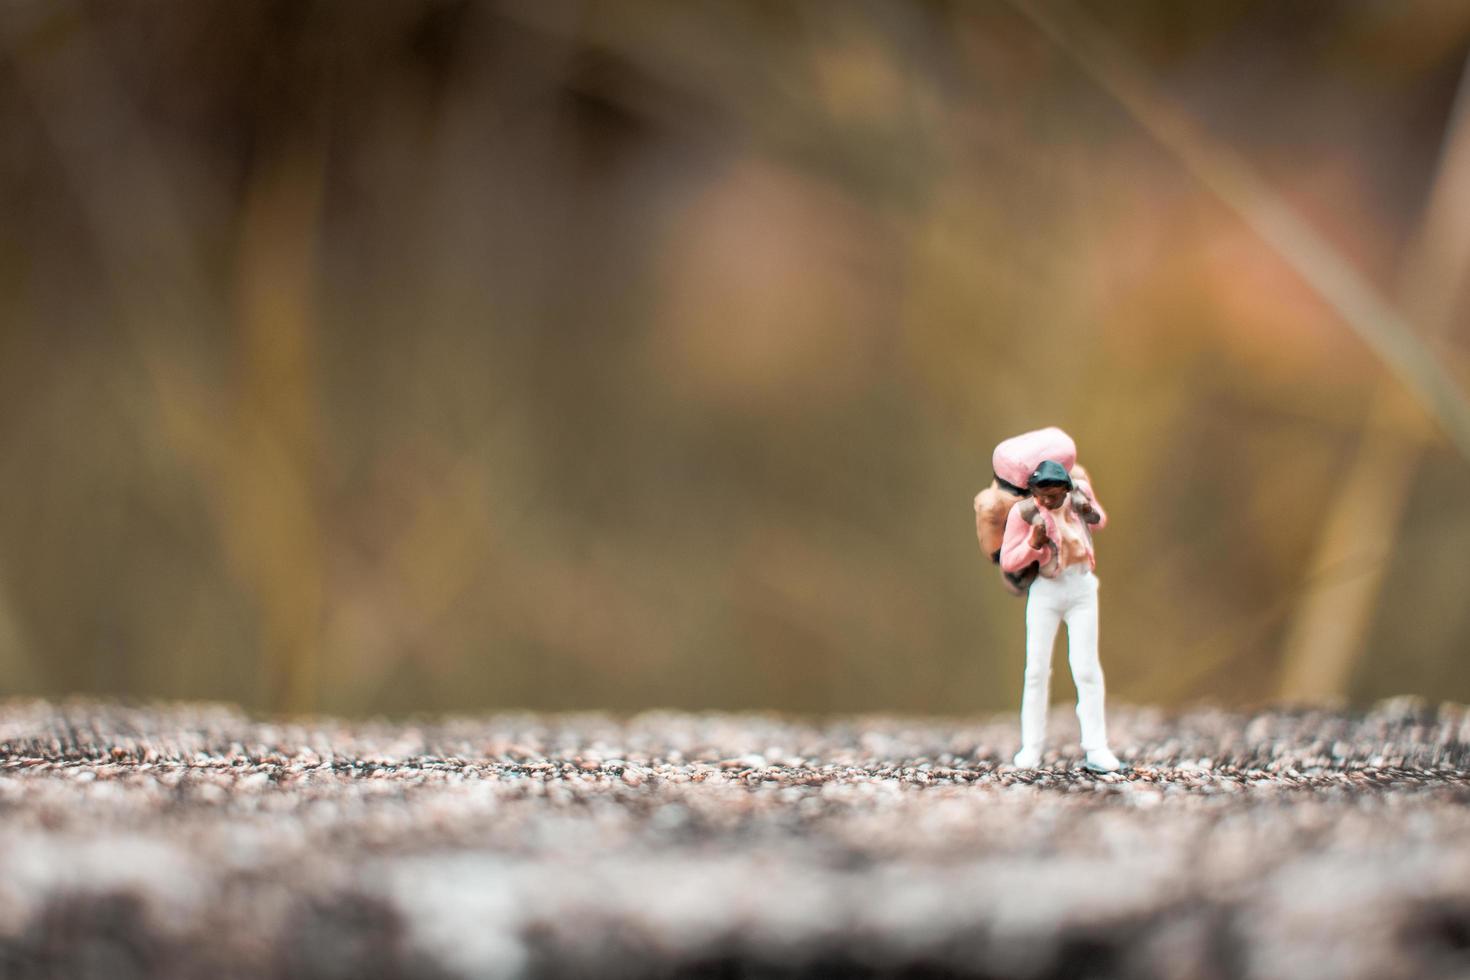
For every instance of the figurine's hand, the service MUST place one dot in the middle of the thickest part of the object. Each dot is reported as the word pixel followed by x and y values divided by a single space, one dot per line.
pixel 1083 507
pixel 1038 535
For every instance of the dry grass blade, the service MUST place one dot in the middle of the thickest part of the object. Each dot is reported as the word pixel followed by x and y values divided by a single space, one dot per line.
pixel 1362 307
pixel 1329 630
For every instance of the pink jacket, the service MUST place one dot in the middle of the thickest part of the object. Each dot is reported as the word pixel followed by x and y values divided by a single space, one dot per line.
pixel 1016 551
pixel 1014 461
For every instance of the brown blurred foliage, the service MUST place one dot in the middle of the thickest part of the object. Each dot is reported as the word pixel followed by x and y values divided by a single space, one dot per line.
pixel 421 355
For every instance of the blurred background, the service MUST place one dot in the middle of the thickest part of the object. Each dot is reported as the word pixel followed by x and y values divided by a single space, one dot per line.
pixel 425 355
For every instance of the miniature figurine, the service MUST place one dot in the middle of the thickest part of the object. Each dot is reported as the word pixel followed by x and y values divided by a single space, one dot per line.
pixel 1045 551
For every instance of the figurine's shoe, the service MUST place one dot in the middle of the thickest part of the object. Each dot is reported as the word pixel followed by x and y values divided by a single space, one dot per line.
pixel 1103 760
pixel 1027 759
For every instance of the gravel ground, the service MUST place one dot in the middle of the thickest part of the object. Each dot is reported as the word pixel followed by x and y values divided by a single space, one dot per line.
pixel 193 841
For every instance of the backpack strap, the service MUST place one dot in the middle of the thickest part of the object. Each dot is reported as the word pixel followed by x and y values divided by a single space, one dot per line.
pixel 1011 488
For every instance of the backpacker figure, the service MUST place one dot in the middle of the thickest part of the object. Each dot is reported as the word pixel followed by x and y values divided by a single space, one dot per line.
pixel 1046 552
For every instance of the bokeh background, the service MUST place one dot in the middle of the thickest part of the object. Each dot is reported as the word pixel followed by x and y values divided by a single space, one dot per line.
pixel 424 355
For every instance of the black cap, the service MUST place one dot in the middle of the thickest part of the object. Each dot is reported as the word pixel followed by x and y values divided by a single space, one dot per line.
pixel 1050 474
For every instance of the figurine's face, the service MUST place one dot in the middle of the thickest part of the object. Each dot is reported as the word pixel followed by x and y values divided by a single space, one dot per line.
pixel 1050 497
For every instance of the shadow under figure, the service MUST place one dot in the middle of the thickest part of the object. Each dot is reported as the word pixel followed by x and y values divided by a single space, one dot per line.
pixel 1042 510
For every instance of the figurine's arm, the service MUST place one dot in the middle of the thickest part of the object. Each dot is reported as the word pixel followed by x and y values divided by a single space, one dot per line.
pixel 1018 550
pixel 1084 502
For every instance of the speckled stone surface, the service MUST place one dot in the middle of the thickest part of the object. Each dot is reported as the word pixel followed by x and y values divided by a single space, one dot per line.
pixel 193 841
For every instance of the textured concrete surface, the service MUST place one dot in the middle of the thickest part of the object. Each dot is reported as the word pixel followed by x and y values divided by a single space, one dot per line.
pixel 192 841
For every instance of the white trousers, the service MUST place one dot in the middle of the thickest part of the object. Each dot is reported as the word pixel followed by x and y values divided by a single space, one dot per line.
pixel 1070 597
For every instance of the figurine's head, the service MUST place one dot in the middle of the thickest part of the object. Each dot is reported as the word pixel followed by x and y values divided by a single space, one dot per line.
pixel 1050 484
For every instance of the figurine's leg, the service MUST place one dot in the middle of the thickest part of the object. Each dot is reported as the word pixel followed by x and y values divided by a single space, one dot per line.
pixel 1087 673
pixel 1042 619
